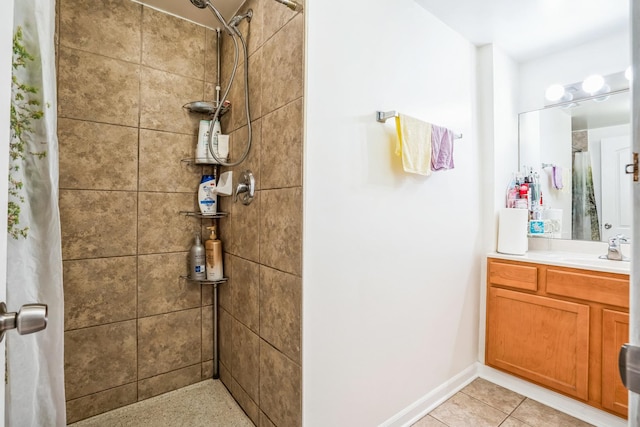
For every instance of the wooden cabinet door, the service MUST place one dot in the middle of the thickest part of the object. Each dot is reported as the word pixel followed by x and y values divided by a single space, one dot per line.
pixel 540 339
pixel 615 332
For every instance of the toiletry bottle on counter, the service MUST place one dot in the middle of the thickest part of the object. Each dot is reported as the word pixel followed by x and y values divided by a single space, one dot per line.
pixel 207 196
pixel 213 248
pixel 197 261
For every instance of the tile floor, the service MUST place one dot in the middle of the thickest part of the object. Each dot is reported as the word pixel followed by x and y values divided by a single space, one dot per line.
pixel 207 403
pixel 484 404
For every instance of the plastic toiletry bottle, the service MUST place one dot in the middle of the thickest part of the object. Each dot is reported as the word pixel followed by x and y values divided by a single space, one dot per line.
pixel 197 261
pixel 203 156
pixel 207 196
pixel 214 256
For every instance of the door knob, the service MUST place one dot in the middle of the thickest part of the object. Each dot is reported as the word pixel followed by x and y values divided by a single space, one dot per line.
pixel 29 319
pixel 607 226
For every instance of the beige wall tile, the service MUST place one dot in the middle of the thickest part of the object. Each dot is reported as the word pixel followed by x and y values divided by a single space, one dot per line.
pixel 280 387
pixel 207 332
pixel 168 382
pixel 97 224
pixel 246 363
pixel 265 421
pixel 280 311
pixel 97 403
pixel 99 291
pixel 161 168
pixel 168 342
pixel 225 340
pixel 281 148
pixel 97 88
pixel 245 294
pixel 211 57
pixel 248 405
pixel 99 358
pixel 281 229
pixel 275 17
pixel 161 227
pixel 224 290
pixel 97 156
pixel 172 44
pixel 207 370
pixel 237 94
pixel 160 288
pixel 242 240
pixel 238 142
pixel 282 66
pixel 117 35
pixel 162 96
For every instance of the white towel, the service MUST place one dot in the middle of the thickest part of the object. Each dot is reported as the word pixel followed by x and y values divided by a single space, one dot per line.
pixel 414 144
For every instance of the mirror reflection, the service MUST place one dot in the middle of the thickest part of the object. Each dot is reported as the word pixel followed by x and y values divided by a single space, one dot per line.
pixel 580 149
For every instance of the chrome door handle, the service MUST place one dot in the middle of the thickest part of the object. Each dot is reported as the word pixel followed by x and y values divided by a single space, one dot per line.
pixel 29 319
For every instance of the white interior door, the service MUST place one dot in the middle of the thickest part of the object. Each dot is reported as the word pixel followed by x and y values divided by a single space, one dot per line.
pixel 616 187
pixel 6 55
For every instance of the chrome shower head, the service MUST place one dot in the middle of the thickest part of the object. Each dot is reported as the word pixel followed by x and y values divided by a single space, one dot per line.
pixel 293 5
pixel 201 4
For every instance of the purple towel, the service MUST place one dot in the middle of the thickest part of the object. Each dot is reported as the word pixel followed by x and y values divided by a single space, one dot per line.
pixel 557 177
pixel 441 148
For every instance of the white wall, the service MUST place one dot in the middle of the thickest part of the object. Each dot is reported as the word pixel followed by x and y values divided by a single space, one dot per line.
pixel 391 261
pixel 607 55
pixel 498 88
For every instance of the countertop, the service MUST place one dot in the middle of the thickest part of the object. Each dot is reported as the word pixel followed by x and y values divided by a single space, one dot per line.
pixel 581 260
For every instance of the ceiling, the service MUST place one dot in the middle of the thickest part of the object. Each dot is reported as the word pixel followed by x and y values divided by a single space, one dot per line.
pixel 529 29
pixel 185 9
pixel 524 29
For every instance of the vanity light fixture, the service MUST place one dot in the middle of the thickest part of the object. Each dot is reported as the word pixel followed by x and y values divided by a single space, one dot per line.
pixel 595 87
pixel 593 84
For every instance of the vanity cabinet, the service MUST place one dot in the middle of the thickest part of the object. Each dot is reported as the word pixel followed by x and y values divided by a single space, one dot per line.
pixel 559 327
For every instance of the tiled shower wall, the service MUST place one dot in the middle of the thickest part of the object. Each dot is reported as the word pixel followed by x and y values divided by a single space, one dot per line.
pixel 133 329
pixel 260 311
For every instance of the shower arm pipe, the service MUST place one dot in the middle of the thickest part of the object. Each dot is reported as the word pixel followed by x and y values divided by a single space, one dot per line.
pixel 247 109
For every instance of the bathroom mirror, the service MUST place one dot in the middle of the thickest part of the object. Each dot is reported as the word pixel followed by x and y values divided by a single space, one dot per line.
pixel 580 149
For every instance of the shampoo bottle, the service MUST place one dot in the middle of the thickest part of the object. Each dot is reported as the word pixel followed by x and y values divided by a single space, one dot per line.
pixel 197 261
pixel 214 256
pixel 217 130
pixel 207 195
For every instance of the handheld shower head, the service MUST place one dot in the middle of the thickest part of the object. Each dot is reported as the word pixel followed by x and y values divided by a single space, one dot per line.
pixel 293 5
pixel 201 4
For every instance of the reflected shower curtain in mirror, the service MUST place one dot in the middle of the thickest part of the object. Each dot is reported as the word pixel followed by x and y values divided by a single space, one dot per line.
pixel 585 213
pixel 35 363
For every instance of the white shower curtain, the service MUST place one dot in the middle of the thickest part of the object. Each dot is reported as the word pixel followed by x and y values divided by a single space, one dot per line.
pixel 35 374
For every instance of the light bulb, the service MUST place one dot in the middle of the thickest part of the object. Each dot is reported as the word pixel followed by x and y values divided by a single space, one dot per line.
pixel 628 73
pixel 554 93
pixel 593 83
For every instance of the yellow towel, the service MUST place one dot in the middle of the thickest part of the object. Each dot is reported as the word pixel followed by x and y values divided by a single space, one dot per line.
pixel 414 143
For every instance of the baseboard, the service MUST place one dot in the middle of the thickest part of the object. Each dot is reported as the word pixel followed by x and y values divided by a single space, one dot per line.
pixel 433 399
pixel 552 399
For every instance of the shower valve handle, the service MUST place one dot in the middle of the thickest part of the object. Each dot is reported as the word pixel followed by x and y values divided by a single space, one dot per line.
pixel 247 187
pixel 29 319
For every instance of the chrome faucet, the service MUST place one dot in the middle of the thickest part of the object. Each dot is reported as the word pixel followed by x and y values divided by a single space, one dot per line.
pixel 614 252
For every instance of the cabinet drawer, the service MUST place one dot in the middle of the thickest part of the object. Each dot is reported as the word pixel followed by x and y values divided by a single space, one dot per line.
pixel 514 276
pixel 588 286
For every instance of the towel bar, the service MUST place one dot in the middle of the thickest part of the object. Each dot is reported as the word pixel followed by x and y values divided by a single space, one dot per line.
pixel 382 116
